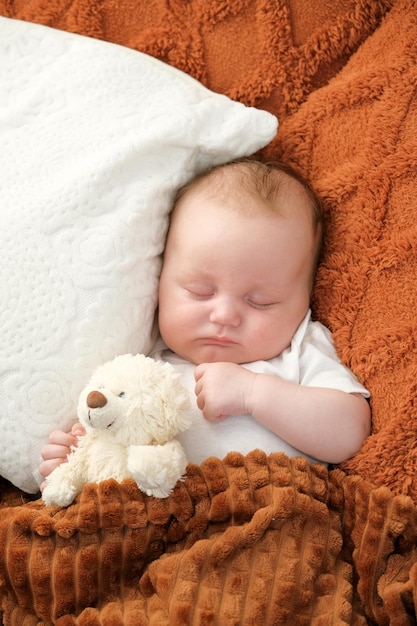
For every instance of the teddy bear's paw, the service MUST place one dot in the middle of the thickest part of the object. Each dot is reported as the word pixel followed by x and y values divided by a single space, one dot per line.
pixel 157 492
pixel 157 469
pixel 61 495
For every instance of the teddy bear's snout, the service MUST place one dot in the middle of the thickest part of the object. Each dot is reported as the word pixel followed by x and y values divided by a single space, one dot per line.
pixel 96 400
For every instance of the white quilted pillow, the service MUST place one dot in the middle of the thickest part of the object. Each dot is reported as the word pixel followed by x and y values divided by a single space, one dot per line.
pixel 95 139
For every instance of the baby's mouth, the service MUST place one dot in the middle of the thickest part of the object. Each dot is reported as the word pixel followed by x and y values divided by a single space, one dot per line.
pixel 218 341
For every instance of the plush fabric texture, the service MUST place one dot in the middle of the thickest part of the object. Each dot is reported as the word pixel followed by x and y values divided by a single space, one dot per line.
pixel 247 540
pixel 257 540
pixel 91 159
pixel 357 140
pixel 132 409
pixel 266 53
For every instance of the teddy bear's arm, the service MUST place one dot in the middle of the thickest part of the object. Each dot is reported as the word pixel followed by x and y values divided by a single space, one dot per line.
pixel 65 482
pixel 157 468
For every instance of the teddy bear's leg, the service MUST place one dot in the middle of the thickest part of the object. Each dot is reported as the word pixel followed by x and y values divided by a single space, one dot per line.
pixel 157 469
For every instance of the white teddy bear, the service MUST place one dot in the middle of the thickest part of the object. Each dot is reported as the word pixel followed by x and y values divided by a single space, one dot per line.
pixel 131 409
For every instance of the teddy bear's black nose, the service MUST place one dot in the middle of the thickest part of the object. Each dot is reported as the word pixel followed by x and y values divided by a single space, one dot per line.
pixel 96 400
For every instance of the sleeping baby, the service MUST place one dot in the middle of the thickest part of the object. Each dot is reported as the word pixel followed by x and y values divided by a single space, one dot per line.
pixel 234 318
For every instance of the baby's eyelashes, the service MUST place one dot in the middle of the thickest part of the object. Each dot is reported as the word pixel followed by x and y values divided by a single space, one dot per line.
pixel 200 290
pixel 262 300
pixel 205 291
pixel 261 305
pixel 199 295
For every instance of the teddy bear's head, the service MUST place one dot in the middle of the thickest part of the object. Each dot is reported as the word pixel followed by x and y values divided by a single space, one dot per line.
pixel 135 400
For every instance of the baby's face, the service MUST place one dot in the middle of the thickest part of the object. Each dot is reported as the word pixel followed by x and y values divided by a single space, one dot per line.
pixel 234 287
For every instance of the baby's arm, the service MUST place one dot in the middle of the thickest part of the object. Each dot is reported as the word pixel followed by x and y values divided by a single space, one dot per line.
pixel 326 424
pixel 57 449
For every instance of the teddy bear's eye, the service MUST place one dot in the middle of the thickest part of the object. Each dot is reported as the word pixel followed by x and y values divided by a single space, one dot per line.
pixel 121 394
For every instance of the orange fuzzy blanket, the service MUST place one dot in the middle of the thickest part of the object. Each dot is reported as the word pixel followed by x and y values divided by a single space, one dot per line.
pixel 261 540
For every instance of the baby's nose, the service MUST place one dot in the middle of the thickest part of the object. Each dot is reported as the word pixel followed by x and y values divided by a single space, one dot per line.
pixel 225 312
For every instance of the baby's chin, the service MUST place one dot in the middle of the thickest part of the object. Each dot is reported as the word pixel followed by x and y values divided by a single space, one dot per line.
pixel 216 354
pixel 208 354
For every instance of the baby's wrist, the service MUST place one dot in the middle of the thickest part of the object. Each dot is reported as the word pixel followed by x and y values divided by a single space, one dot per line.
pixel 250 392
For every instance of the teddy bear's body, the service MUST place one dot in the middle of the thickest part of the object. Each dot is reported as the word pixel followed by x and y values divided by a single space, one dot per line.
pixel 131 409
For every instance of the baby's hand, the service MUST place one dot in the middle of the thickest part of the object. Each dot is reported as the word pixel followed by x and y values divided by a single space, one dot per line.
pixel 57 449
pixel 222 389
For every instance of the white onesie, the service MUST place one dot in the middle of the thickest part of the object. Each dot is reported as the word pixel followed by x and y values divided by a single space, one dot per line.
pixel 310 360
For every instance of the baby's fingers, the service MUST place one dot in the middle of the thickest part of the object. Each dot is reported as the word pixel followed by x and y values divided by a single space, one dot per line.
pixel 49 465
pixel 77 430
pixel 199 371
pixel 55 451
pixel 61 438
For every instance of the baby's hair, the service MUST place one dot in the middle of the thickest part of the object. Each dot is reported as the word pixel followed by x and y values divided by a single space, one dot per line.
pixel 254 175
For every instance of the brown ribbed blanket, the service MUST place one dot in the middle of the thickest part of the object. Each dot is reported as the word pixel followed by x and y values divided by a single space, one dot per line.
pixel 247 540
pixel 257 540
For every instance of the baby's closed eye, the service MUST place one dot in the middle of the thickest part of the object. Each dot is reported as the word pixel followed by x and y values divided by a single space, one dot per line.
pixel 261 302
pixel 200 291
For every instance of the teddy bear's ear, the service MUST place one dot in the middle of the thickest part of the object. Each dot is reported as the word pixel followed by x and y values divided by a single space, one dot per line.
pixel 176 404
